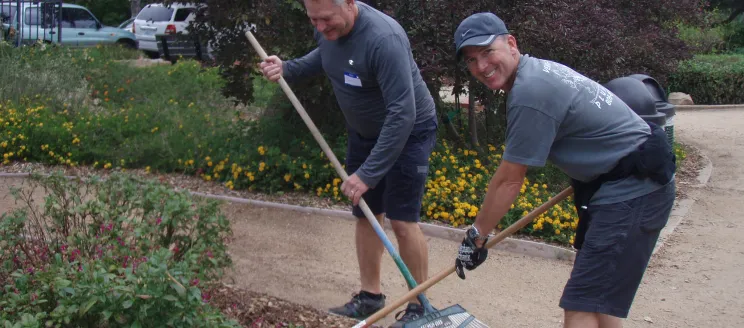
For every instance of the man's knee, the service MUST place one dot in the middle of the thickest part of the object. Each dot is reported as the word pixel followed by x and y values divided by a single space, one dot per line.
pixel 405 229
pixel 578 319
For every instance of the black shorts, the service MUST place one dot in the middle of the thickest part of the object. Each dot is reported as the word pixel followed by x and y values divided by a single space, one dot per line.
pixel 617 248
pixel 400 192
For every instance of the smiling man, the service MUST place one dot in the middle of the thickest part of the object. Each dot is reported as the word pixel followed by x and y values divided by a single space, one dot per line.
pixel 391 122
pixel 621 168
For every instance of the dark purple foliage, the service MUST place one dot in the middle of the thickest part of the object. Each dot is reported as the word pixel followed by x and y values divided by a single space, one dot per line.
pixel 603 39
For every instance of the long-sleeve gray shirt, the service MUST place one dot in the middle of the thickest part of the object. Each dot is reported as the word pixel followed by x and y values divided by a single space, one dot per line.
pixel 377 84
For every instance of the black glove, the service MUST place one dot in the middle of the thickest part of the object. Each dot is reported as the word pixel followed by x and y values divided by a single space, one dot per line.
pixel 470 256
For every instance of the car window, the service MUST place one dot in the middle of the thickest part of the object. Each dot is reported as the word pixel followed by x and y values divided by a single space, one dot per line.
pixel 182 14
pixel 77 18
pixel 156 14
pixel 7 13
pixel 33 16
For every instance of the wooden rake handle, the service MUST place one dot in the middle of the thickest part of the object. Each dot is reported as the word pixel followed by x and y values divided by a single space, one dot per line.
pixel 446 272
pixel 301 110
pixel 340 171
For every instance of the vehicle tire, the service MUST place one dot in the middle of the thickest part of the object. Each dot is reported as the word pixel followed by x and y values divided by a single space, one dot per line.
pixel 152 54
pixel 127 43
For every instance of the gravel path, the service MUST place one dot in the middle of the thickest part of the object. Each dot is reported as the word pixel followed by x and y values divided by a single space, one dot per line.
pixel 696 280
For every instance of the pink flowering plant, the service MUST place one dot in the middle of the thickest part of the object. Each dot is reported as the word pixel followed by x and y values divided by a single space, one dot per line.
pixel 111 252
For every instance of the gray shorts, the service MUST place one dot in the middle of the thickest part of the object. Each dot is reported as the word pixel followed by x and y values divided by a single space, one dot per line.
pixel 618 244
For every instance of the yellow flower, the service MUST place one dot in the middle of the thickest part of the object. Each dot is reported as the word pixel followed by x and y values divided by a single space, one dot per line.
pixel 287 177
pixel 261 150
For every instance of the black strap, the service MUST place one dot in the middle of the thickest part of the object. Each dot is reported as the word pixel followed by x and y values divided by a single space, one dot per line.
pixel 654 159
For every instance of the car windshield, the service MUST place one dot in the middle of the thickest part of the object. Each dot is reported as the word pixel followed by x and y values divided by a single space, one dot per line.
pixel 156 14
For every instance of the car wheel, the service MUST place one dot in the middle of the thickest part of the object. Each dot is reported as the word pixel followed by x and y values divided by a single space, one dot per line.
pixel 127 43
pixel 152 54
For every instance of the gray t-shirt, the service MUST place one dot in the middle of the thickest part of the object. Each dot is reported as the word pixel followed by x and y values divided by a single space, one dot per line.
pixel 376 82
pixel 557 114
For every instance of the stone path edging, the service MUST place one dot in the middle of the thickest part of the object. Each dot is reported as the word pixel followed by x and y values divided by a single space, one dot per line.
pixel 708 107
pixel 510 244
pixel 520 246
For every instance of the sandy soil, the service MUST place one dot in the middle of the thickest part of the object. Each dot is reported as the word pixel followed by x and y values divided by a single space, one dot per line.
pixel 694 281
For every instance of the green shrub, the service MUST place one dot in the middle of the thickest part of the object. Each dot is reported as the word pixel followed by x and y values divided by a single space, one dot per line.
pixel 120 252
pixel 711 79
pixel 702 40
pixel 51 72
pixel 710 35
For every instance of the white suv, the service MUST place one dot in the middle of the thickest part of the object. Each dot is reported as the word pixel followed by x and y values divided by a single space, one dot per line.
pixel 158 19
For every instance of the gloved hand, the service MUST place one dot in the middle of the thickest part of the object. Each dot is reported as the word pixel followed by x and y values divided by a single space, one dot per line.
pixel 470 255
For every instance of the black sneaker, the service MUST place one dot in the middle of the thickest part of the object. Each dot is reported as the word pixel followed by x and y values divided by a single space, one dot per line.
pixel 412 312
pixel 360 307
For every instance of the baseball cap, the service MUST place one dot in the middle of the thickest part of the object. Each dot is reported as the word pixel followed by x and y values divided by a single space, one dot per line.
pixel 478 29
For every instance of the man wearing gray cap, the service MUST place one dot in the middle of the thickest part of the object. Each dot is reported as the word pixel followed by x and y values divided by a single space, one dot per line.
pixel 621 168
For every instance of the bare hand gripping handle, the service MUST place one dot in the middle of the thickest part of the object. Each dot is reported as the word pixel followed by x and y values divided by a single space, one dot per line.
pixel 415 290
pixel 339 169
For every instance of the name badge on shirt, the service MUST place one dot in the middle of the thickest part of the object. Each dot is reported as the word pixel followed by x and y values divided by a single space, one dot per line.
pixel 352 79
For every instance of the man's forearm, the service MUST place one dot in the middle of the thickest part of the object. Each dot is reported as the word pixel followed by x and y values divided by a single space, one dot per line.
pixel 500 196
pixel 305 66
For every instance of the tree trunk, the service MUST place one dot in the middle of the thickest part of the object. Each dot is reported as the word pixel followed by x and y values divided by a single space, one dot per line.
pixel 444 118
pixel 471 120
pixel 738 9
pixel 135 7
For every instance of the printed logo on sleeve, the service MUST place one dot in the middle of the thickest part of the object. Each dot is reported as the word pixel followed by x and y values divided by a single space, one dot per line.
pixel 598 92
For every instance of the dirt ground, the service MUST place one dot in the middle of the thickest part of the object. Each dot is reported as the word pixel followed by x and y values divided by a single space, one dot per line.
pixel 695 280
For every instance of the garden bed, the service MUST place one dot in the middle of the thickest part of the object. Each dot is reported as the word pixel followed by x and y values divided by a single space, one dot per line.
pixel 259 310
pixel 171 123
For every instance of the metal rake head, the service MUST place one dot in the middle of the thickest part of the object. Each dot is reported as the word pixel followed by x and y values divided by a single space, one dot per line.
pixel 452 317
